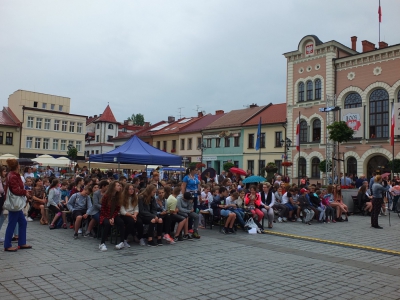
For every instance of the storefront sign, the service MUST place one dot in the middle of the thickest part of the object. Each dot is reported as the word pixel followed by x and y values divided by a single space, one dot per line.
pixel 209 158
pixel 354 118
pixel 211 136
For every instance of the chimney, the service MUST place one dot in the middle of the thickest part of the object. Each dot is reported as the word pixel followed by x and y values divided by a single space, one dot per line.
pixel 171 119
pixel 219 112
pixel 125 122
pixel 95 116
pixel 354 43
pixel 368 46
pixel 253 105
pixel 383 45
pixel 146 124
pixel 200 114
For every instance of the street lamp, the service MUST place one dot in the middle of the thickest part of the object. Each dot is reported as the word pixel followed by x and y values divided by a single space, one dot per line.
pixel 287 143
pixel 202 146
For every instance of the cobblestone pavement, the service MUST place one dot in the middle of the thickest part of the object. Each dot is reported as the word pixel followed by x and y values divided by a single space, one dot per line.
pixel 217 266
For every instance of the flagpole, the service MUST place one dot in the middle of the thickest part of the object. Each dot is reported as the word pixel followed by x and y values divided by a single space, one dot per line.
pixel 380 19
pixel 259 152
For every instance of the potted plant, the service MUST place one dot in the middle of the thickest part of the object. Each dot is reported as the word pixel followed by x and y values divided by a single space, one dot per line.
pixel 287 164
pixel 173 150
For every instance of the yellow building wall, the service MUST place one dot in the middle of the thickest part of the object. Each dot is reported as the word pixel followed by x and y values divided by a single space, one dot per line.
pixel 14 148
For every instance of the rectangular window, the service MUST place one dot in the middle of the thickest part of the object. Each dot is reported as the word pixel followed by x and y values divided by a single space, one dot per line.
pixel 35 104
pixel 97 151
pixel 46 142
pixel 60 108
pixel 262 140
pixel 198 142
pixel 158 145
pixel 71 143
pixel 278 164
pixel 37 143
pixel 208 143
pixel 47 124
pixel 236 163
pixel 250 165
pixel 52 106
pixel 251 142
pixel 261 165
pixel 44 105
pixel 92 152
pixel 79 127
pixel 217 142
pixel 39 123
pixel 55 144
pixel 236 141
pixel 1 137
pixel 78 145
pixel 278 138
pixel 182 144
pixel 30 122
pixel 63 145
pixel 9 138
pixel 97 138
pixel 227 142
pixel 190 144
pixel 64 125
pixel 109 137
pixel 71 126
pixel 164 145
pixel 28 142
pixel 174 145
pixel 56 125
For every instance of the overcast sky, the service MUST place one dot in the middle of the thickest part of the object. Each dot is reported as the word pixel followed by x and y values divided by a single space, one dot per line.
pixel 153 57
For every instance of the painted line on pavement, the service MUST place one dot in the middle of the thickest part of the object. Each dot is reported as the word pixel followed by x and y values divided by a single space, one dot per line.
pixel 343 244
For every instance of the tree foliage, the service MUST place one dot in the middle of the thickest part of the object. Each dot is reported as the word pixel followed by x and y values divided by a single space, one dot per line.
pixel 137 119
pixel 340 132
pixel 72 153
pixel 322 166
pixel 227 166
pixel 396 165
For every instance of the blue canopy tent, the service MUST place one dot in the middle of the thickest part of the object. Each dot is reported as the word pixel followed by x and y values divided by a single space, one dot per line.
pixel 135 151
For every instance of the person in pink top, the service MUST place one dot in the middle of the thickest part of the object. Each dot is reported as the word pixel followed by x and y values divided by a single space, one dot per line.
pixel 253 202
pixel 395 191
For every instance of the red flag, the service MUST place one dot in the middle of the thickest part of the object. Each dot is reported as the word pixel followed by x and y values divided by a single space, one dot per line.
pixel 380 12
pixel 298 137
pixel 392 128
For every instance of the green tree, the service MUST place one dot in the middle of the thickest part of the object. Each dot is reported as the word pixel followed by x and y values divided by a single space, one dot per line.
pixel 396 162
pixel 227 166
pixel 137 119
pixel 339 132
pixel 322 166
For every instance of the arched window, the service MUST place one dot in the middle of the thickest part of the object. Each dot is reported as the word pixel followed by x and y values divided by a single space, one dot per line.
pixel 302 167
pixel 318 89
pixel 352 100
pixel 98 126
pixel 110 126
pixel 315 173
pixel 309 90
pixel 301 91
pixel 303 132
pixel 379 114
pixel 351 166
pixel 316 130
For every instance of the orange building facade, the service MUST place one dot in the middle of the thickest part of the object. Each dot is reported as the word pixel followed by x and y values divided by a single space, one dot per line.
pixel 362 84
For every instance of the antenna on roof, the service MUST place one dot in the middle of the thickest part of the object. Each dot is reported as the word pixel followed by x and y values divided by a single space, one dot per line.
pixel 247 106
pixel 197 108
pixel 180 112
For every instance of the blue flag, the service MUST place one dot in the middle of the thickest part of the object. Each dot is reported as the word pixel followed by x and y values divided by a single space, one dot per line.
pixel 258 136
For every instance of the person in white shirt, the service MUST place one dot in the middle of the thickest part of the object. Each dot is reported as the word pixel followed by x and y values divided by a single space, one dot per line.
pixel 129 213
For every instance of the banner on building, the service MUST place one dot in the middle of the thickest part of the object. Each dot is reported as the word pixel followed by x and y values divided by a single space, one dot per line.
pixel 396 108
pixel 354 118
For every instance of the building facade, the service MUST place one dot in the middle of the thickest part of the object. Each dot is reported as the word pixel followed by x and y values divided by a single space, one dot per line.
pixel 362 85
pixel 47 125
pixel 10 132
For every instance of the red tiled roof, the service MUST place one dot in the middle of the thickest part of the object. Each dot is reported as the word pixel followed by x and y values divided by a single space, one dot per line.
pixel 175 126
pixel 276 113
pixel 7 118
pixel 90 120
pixel 201 123
pixel 143 132
pixel 107 116
pixel 236 118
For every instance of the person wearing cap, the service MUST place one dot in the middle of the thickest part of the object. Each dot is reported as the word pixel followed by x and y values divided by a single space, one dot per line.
pixel 306 206
pixel 185 207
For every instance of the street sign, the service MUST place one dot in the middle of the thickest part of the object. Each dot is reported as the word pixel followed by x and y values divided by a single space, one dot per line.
pixel 209 158
pixel 328 109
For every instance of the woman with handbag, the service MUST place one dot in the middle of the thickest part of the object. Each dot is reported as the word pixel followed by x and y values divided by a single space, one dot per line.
pixel 15 202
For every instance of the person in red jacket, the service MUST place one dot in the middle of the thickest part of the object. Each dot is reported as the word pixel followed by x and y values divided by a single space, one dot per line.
pixel 16 187
pixel 109 214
